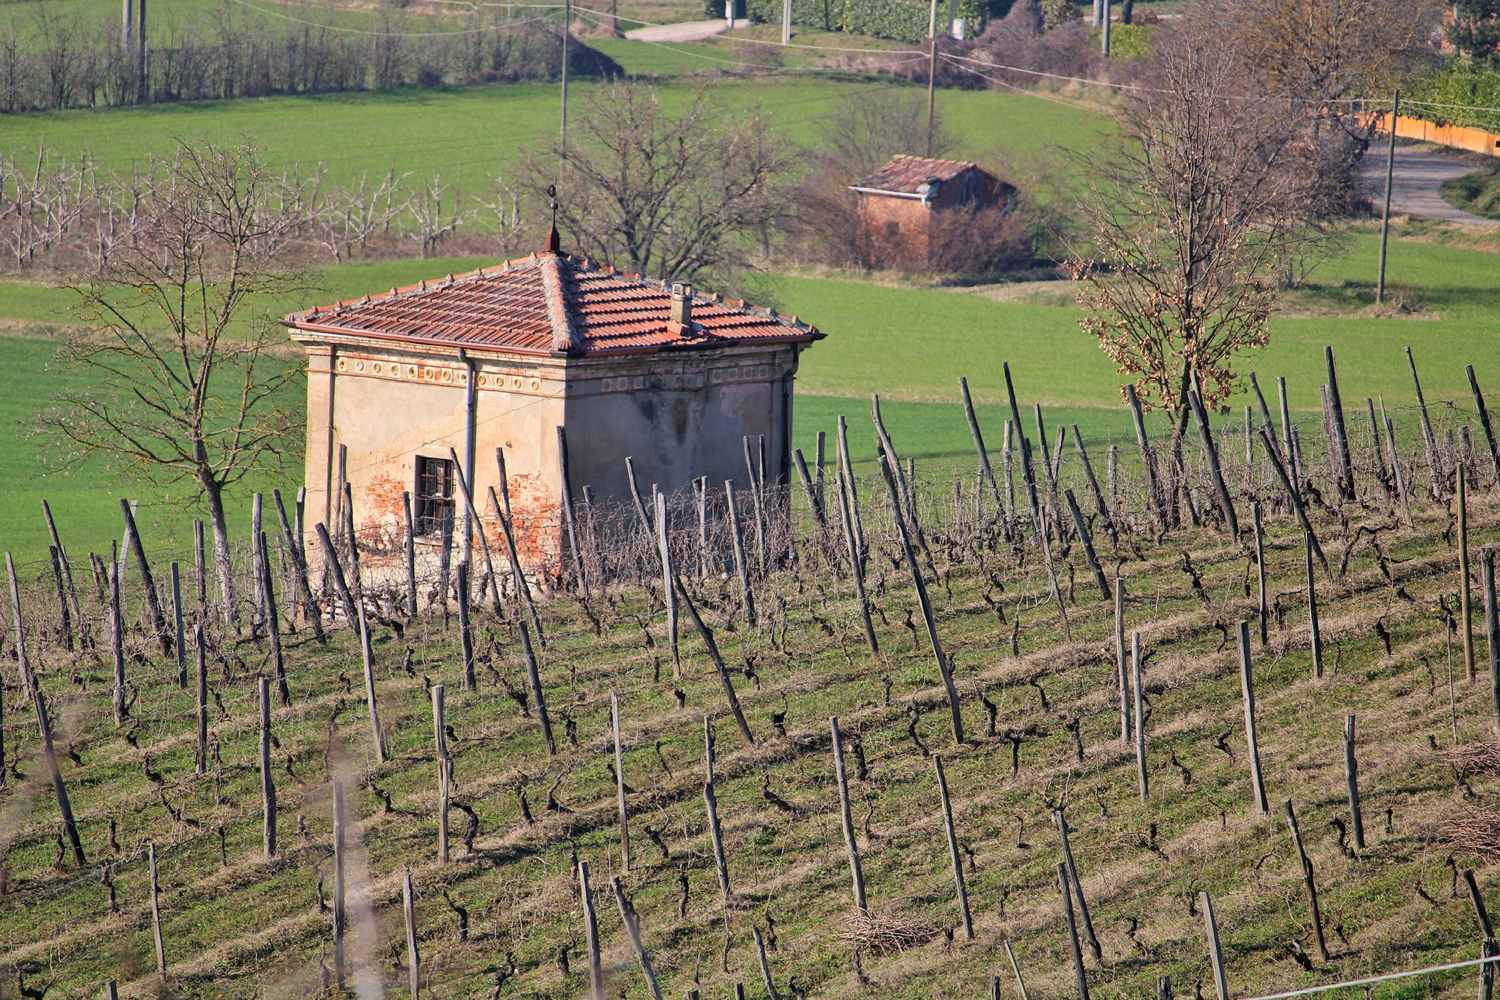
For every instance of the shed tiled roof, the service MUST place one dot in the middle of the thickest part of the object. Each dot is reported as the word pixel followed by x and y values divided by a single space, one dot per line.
pixel 912 174
pixel 549 303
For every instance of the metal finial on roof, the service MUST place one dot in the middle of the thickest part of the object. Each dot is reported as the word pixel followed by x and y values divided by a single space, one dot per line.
pixel 554 243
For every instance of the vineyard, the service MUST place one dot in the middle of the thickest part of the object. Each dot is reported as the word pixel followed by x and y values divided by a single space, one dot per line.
pixel 1208 714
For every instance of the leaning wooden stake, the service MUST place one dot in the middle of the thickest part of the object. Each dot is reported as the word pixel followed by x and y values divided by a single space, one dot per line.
pixel 538 697
pixel 1016 968
pixel 413 956
pixel 765 967
pixel 669 595
pixel 741 567
pixel 1247 690
pixel 1088 545
pixel 440 742
pixel 1489 948
pixel 340 583
pixel 161 951
pixel 1211 450
pixel 1215 953
pixel 1315 634
pixel 1061 822
pixel 1140 714
pixel 1121 678
pixel 1465 595
pixel 1434 462
pixel 1484 420
pixel 340 914
pixel 984 456
pixel 711 804
pixel 117 640
pixel 153 602
pixel 614 719
pixel 719 665
pixel 273 624
pixel 856 870
pixel 1296 500
pixel 1351 776
pixel 633 931
pixel 1088 472
pixel 177 628
pixel 590 932
pixel 953 854
pixel 1264 611
pixel 410 539
pixel 267 783
pixel 1314 914
pixel 1491 623
pixel 368 656
pixel 1346 465
pixel 857 571
pixel 889 474
pixel 1080 976
pixel 201 661
pixel 465 629
pixel 293 538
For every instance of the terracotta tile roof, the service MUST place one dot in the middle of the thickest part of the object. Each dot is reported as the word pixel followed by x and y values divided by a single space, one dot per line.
pixel 910 174
pixel 549 304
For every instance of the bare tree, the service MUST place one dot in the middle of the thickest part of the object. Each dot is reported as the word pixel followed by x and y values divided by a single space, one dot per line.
pixel 673 196
pixel 433 222
pixel 179 383
pixel 1189 219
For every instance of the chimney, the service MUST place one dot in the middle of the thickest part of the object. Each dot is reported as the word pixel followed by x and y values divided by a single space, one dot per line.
pixel 680 320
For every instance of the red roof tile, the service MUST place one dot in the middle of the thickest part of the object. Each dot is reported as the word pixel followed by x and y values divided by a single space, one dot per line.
pixel 549 304
pixel 911 174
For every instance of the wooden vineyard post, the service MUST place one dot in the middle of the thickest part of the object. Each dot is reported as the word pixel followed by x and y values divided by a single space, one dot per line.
pixel 111 991
pixel 1088 545
pixel 1489 949
pixel 953 854
pixel 369 663
pixel 340 915
pixel 1484 420
pixel 1341 432
pixel 765 966
pixel 1215 953
pixel 633 931
pixel 1088 473
pixel 809 490
pixel 1465 593
pixel 1315 635
pixel 1221 490
pixel 1434 462
pixel 67 573
pixel 569 518
pixel 293 537
pixel 161 951
pixel 741 570
pixel 177 626
pixel 340 583
pixel 591 932
pixel 614 719
pixel 1351 775
pixel 1016 968
pixel 410 552
pixel 1491 622
pixel 534 678
pixel 413 956
pixel 1264 612
pixel 1121 677
pixel 719 665
pixel 62 598
pixel 117 640
pixel 856 565
pixel 711 804
pixel 1067 894
pixel 1140 714
pixel 153 602
pixel 267 784
pixel 440 741
pixel 669 594
pixel 1061 822
pixel 465 631
pixel 1295 497
pixel 201 662
pixel 856 870
pixel 889 470
pixel 1314 914
pixel 513 554
pixel 1247 690
pixel 974 432
pixel 273 625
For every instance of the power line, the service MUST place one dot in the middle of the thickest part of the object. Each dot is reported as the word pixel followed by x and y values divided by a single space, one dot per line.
pixel 394 34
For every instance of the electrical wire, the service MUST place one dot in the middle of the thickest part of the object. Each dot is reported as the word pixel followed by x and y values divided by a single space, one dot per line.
pixel 391 34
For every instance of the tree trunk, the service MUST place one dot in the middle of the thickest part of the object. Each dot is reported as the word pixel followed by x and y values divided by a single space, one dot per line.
pixel 215 494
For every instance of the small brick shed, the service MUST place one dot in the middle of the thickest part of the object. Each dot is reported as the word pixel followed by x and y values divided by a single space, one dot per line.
pixel 899 203
pixel 503 357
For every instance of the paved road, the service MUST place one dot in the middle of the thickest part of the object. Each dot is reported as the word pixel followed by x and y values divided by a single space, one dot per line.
pixel 1416 179
pixel 692 31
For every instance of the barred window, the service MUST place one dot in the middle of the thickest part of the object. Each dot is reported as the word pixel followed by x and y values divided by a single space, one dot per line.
pixel 434 495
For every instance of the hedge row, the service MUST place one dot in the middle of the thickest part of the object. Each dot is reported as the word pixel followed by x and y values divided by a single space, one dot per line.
pixel 1456 83
pixel 902 20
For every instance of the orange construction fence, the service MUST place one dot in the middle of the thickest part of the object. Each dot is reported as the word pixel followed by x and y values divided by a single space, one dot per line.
pixel 1458 136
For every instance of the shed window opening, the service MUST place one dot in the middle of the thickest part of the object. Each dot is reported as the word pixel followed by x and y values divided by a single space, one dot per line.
pixel 434 495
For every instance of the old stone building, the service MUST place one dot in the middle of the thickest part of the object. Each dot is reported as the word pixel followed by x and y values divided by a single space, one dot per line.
pixel 398 384
pixel 900 203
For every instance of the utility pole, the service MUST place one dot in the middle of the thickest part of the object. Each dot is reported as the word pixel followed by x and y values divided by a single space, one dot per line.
pixel 127 15
pixel 140 52
pixel 1385 216
pixel 1104 29
pixel 931 71
pixel 786 22
pixel 562 144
